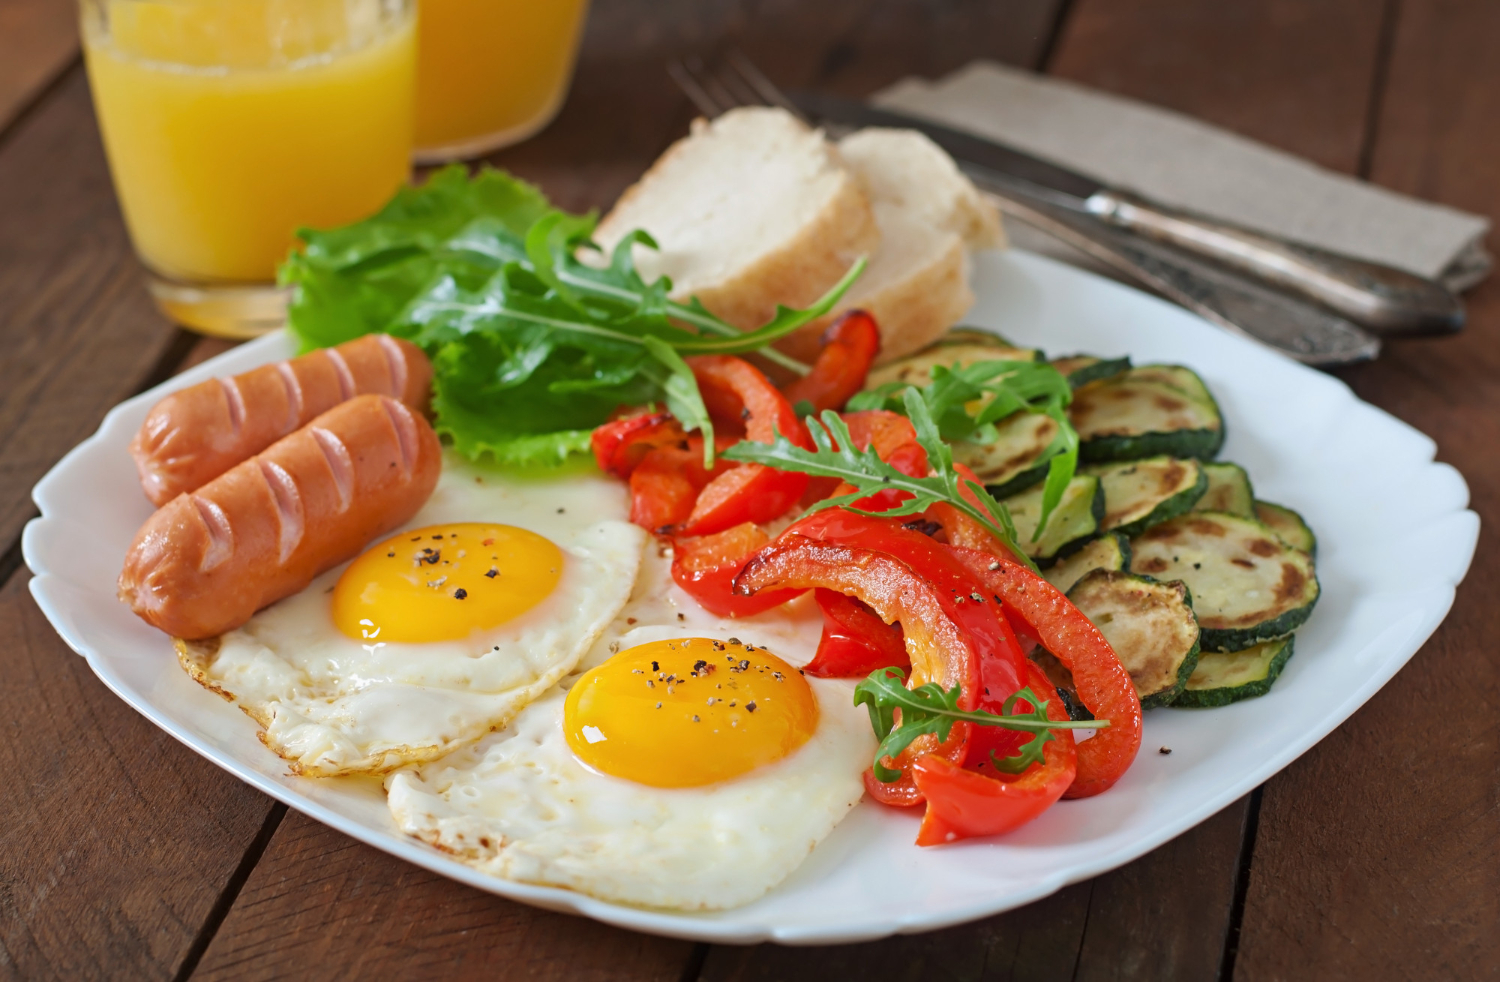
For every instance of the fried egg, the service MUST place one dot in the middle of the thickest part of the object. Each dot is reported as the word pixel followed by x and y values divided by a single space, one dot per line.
pixel 686 765
pixel 439 634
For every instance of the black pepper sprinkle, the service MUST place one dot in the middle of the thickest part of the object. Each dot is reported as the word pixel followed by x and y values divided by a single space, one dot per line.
pixel 437 536
pixel 750 707
pixel 460 593
pixel 417 538
pixel 390 555
pixel 976 598
pixel 778 676
pixel 734 640
pixel 651 683
pixel 958 600
pixel 994 565
pixel 682 617
pixel 1164 751
pixel 744 664
pixel 655 667
pixel 492 573
pixel 696 719
pixel 658 705
pixel 561 510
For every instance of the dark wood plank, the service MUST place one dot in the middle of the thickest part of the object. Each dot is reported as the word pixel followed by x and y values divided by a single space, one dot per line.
pixel 322 905
pixel 1295 75
pixel 38 41
pixel 1379 850
pixel 118 840
pixel 78 330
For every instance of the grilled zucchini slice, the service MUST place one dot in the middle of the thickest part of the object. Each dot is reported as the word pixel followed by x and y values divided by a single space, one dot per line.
pixel 1223 677
pixel 1288 525
pixel 1073 523
pixel 1248 586
pixel 1178 377
pixel 1141 493
pixel 1111 551
pixel 1126 418
pixel 1080 370
pixel 1016 460
pixel 1228 490
pixel 964 335
pixel 916 369
pixel 1149 624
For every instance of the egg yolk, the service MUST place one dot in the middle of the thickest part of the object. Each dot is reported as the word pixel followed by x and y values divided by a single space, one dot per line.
pixel 444 582
pixel 688 712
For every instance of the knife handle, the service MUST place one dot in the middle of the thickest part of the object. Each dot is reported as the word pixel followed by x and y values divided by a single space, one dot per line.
pixel 1389 301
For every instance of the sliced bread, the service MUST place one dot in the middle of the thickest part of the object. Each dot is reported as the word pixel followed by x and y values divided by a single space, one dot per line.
pixel 929 215
pixel 751 210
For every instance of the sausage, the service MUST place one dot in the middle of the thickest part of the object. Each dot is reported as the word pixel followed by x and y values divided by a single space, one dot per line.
pixel 261 531
pixel 193 436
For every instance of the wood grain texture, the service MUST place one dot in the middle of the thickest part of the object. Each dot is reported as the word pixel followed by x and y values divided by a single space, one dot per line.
pixel 1297 74
pixel 77 328
pixel 321 905
pixel 1379 850
pixel 117 839
pixel 38 41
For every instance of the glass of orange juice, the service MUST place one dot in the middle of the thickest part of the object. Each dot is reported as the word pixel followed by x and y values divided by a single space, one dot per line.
pixel 229 124
pixel 491 72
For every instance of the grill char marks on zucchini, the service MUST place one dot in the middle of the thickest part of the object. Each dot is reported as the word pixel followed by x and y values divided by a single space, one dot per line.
pixel 916 369
pixel 1110 551
pixel 1127 418
pixel 1073 523
pixel 1288 525
pixel 1223 677
pixel 1248 586
pixel 1228 490
pixel 1141 493
pixel 1080 370
pixel 1149 624
pixel 1016 461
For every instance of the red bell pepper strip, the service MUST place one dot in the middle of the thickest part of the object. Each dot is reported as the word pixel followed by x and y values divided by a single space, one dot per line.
pixel 706 567
pixel 954 635
pixel 621 444
pixel 666 484
pixel 855 640
pixel 849 348
pixel 967 803
pixel 1102 683
pixel 741 399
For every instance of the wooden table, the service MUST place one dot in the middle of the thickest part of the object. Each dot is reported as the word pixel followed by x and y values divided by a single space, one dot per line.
pixel 1374 856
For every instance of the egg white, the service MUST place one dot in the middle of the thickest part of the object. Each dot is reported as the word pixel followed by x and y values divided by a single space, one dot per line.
pixel 331 705
pixel 519 805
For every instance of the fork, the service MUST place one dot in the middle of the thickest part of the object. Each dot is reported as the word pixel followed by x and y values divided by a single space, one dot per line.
pixel 1238 302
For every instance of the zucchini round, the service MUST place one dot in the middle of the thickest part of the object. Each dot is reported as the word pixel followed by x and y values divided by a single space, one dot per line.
pixel 1248 586
pixel 1141 493
pixel 1223 677
pixel 1288 525
pixel 1228 490
pixel 1125 418
pixel 1178 377
pixel 1080 370
pixel 1110 551
pixel 916 369
pixel 1072 524
pixel 1149 624
pixel 1015 461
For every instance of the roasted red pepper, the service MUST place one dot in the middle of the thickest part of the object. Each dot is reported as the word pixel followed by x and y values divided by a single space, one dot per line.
pixel 965 803
pixel 741 399
pixel 706 567
pixel 1041 611
pixel 621 444
pixel 954 635
pixel 666 484
pixel 855 640
pixel 849 348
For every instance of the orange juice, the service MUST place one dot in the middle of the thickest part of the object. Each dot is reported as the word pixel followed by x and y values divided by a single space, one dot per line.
pixel 229 125
pixel 491 72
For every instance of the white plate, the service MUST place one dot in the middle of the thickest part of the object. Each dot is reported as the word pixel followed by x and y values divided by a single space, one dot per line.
pixel 1395 538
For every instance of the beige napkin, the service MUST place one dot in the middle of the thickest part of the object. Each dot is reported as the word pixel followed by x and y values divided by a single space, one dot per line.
pixel 1183 162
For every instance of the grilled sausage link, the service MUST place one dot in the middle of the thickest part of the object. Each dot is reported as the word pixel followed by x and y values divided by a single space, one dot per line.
pixel 194 435
pixel 209 559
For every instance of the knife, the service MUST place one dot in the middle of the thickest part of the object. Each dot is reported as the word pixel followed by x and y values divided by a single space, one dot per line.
pixel 1386 300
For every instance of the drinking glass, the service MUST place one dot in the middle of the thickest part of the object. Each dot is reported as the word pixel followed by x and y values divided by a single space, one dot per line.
pixel 491 72
pixel 230 124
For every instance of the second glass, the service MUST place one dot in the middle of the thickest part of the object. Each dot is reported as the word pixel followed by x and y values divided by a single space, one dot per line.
pixel 491 72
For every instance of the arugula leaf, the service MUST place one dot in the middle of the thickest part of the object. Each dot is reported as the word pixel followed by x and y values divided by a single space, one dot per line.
pixel 929 709
pixel 967 400
pixel 837 456
pixel 532 341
